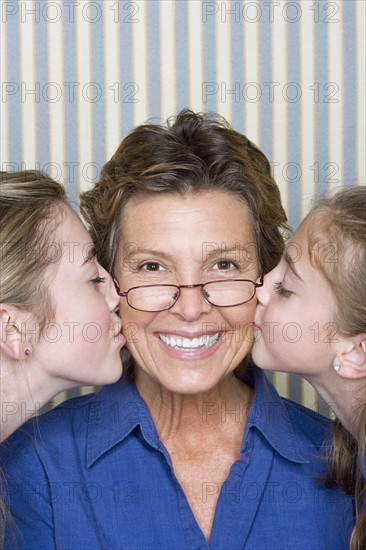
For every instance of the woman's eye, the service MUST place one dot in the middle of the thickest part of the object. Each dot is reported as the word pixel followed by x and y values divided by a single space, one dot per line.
pixel 280 289
pixel 151 266
pixel 225 265
pixel 98 280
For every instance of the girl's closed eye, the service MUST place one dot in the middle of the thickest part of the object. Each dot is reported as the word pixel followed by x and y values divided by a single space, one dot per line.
pixel 97 280
pixel 280 289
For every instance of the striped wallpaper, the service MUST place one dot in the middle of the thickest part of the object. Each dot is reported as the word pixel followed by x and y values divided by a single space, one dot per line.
pixel 77 76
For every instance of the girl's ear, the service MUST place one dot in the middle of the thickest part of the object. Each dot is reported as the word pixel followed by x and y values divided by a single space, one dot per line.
pixel 12 338
pixel 351 362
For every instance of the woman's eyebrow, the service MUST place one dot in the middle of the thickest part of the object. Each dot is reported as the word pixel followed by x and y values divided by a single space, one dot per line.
pixel 149 251
pixel 291 265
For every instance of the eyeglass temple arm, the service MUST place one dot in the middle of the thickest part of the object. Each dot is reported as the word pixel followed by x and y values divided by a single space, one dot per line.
pixel 118 288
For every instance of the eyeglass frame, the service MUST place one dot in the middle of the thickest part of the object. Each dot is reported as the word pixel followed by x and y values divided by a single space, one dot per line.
pixel 178 287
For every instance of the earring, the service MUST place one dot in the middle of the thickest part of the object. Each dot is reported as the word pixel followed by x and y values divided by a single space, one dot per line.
pixel 15 325
pixel 337 367
pixel 27 352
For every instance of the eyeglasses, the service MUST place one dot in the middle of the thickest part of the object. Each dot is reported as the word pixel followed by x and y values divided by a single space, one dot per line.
pixel 224 293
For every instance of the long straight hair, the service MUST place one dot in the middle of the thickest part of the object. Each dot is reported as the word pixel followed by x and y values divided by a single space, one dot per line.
pixel 340 221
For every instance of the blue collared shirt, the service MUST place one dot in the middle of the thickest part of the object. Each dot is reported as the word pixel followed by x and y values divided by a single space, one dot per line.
pixel 93 474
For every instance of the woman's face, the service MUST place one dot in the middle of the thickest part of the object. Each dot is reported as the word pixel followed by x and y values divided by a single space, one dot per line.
pixel 169 239
pixel 295 314
pixel 82 343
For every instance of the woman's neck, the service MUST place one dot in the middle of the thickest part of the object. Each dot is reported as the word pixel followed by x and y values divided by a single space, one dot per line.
pixel 343 397
pixel 174 414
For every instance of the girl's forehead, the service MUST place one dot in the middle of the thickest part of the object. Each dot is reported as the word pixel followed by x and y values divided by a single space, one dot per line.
pixel 298 246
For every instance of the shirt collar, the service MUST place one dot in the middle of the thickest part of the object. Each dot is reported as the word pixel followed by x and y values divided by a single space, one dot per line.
pixel 116 410
pixel 269 413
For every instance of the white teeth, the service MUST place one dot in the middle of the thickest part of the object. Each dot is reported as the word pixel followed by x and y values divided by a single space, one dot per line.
pixel 190 343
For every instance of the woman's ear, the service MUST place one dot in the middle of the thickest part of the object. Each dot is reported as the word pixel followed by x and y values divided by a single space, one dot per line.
pixel 12 338
pixel 351 362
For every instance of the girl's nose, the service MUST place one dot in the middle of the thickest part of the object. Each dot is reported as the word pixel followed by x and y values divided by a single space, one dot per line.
pixel 110 293
pixel 264 292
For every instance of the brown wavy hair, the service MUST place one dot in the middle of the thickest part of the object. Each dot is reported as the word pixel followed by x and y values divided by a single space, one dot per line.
pixel 338 226
pixel 193 152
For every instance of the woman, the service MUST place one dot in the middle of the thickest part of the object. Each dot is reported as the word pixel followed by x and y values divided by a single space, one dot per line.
pixel 319 286
pixel 190 449
pixel 57 304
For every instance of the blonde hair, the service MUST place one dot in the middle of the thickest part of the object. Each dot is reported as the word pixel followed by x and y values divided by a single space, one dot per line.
pixel 337 247
pixel 30 213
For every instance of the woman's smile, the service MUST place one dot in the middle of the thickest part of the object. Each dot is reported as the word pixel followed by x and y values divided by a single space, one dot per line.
pixel 196 347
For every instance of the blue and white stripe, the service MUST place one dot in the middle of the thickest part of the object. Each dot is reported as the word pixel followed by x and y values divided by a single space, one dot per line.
pixel 77 77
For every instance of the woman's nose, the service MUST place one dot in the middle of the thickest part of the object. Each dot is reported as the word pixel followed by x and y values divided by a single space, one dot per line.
pixel 191 304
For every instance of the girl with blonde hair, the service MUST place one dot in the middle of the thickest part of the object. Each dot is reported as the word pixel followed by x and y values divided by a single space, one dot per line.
pixel 58 324
pixel 318 291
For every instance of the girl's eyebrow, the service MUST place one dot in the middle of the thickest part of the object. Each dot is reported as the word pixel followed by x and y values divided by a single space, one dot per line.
pixel 92 253
pixel 291 265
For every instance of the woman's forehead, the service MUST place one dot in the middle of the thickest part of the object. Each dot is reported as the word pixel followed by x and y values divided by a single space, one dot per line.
pixel 199 226
pixel 171 208
pixel 214 215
